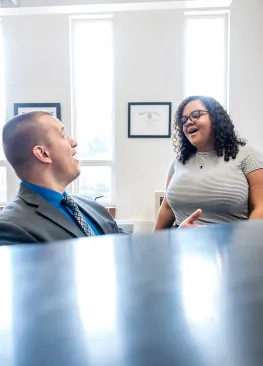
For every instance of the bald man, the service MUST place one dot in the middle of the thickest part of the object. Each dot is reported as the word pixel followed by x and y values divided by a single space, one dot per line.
pixel 44 158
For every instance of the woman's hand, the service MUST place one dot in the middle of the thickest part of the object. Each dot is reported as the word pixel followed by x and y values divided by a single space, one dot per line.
pixel 190 221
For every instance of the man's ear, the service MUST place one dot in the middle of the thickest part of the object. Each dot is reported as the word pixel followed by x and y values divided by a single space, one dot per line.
pixel 42 154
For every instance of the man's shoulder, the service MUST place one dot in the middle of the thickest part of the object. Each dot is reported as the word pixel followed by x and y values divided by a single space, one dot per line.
pixel 88 201
pixel 85 200
pixel 18 212
pixel 11 230
pixel 11 233
pixel 15 206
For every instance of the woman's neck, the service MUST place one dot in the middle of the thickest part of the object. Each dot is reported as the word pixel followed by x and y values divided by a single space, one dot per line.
pixel 206 148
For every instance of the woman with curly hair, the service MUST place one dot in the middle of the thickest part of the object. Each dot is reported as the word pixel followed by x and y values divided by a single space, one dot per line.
pixel 214 170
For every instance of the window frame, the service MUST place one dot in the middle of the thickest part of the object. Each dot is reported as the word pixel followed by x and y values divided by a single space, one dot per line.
pixel 92 162
pixel 222 14
pixel 3 162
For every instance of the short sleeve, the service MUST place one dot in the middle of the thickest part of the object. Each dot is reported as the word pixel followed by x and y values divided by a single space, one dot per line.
pixel 252 160
pixel 172 168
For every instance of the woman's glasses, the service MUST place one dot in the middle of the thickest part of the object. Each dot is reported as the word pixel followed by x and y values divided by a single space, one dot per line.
pixel 193 116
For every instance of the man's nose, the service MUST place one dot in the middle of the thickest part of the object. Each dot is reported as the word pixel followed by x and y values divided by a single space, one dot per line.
pixel 73 142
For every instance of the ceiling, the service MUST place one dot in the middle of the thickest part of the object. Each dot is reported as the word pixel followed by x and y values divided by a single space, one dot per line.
pixel 34 7
pixel 37 3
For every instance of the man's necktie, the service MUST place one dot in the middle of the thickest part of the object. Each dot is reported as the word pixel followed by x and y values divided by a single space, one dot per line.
pixel 72 205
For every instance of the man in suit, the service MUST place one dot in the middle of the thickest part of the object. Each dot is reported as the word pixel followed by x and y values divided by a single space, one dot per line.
pixel 44 158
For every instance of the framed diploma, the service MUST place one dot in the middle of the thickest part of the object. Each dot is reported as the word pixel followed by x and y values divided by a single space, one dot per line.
pixel 149 120
pixel 53 108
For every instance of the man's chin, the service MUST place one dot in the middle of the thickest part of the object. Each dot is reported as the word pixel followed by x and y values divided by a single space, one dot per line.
pixel 78 173
pixel 75 176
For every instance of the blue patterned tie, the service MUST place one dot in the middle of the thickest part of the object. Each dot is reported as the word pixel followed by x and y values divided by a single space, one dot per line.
pixel 72 205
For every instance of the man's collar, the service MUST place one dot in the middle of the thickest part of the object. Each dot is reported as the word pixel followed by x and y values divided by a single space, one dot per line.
pixel 50 195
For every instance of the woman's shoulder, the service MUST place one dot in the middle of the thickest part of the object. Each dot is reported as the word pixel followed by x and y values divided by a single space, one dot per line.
pixel 247 149
pixel 174 166
pixel 250 158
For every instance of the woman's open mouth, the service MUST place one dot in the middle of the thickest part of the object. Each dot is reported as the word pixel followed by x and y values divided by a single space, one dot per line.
pixel 192 131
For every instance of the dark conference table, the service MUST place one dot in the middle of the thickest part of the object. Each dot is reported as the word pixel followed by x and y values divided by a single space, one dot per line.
pixel 189 297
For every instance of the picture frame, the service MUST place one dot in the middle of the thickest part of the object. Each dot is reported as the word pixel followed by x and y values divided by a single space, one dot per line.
pixel 149 120
pixel 53 108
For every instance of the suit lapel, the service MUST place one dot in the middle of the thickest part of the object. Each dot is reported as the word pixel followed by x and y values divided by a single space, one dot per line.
pixel 52 213
pixel 47 210
pixel 94 216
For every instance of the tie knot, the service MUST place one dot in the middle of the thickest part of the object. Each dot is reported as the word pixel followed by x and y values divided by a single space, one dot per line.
pixel 66 197
pixel 67 200
pixel 72 205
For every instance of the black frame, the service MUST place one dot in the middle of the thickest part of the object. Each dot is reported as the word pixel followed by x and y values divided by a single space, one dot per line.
pixel 41 106
pixel 169 104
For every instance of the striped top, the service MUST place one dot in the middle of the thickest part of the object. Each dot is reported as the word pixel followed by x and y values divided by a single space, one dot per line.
pixel 218 187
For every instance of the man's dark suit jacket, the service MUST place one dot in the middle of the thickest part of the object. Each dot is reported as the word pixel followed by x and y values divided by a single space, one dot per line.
pixel 29 218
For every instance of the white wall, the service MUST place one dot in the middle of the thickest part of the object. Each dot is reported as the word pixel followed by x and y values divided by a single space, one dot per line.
pixel 246 73
pixel 148 67
pixel 37 66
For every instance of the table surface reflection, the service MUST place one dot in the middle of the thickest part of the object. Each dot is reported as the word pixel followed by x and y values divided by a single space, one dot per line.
pixel 191 297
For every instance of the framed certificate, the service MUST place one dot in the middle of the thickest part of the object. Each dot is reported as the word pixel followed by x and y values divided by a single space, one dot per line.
pixel 149 119
pixel 53 108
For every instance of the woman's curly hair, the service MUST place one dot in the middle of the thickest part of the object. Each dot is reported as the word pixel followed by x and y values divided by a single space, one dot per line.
pixel 227 141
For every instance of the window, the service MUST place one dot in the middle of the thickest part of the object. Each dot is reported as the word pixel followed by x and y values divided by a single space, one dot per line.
pixel 93 100
pixel 3 185
pixel 206 56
